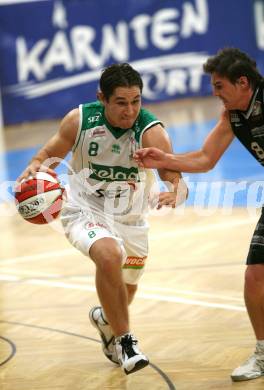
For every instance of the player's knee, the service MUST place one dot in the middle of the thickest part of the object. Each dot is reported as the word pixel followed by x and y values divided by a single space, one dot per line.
pixel 107 255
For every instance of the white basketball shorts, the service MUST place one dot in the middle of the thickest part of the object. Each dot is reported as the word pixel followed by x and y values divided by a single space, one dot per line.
pixel 83 228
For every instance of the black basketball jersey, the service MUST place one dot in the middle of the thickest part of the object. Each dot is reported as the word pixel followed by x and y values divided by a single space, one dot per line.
pixel 248 126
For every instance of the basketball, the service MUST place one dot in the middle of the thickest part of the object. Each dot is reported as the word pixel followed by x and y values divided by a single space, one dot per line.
pixel 39 199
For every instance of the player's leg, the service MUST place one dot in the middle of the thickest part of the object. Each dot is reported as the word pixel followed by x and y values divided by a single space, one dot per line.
pixel 107 256
pixel 106 250
pixel 254 299
pixel 83 230
pixel 136 245
pixel 113 296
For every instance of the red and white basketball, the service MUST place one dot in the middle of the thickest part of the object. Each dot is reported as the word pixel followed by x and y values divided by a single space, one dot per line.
pixel 39 199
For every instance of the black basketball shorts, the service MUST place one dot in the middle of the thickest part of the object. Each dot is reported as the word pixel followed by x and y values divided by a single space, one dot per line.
pixel 256 249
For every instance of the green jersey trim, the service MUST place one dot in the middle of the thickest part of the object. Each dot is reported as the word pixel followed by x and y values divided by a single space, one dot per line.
pixel 78 135
pixel 145 121
pixel 92 115
pixel 117 132
pixel 88 119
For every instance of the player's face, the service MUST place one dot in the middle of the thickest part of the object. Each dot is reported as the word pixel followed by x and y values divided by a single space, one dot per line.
pixel 122 108
pixel 233 96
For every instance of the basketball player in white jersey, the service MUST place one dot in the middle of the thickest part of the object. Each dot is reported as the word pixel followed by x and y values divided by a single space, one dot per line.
pixel 105 213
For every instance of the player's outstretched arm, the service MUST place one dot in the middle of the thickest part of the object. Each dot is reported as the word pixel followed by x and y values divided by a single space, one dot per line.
pixel 201 160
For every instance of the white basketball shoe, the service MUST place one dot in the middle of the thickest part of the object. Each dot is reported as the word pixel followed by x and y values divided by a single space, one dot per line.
pixel 99 322
pixel 129 356
pixel 253 368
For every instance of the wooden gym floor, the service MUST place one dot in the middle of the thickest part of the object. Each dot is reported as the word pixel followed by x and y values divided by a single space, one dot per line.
pixel 188 314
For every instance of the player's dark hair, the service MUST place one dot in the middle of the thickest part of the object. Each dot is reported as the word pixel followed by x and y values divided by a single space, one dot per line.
pixel 119 75
pixel 232 63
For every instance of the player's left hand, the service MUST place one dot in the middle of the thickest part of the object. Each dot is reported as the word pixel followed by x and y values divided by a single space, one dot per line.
pixel 167 199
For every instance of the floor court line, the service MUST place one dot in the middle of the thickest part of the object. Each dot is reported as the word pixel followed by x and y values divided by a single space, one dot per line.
pixel 152 237
pixel 88 279
pixel 39 256
pixel 157 297
pixel 202 229
pixel 194 293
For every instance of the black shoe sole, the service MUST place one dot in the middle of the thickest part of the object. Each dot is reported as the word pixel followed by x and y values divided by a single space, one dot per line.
pixel 138 366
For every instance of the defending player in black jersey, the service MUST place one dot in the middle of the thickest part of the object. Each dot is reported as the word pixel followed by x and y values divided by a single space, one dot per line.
pixel 239 85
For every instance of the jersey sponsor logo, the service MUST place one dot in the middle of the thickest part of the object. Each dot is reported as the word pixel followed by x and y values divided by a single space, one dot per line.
pixel 91 225
pixel 116 148
pixel 135 262
pixel 98 132
pixel 95 118
pixel 116 173
pixel 110 194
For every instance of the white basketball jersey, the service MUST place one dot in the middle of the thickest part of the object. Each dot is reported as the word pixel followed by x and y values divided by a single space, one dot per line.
pixel 105 177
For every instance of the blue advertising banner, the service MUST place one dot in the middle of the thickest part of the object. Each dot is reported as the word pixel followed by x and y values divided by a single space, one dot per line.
pixel 52 52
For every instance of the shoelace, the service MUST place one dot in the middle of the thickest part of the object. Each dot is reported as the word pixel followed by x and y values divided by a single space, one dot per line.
pixel 127 343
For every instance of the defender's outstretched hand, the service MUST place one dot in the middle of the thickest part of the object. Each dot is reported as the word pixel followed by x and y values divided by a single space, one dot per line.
pixel 150 158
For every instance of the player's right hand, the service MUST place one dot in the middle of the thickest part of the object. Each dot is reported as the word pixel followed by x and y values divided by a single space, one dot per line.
pixel 150 158
pixel 31 170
